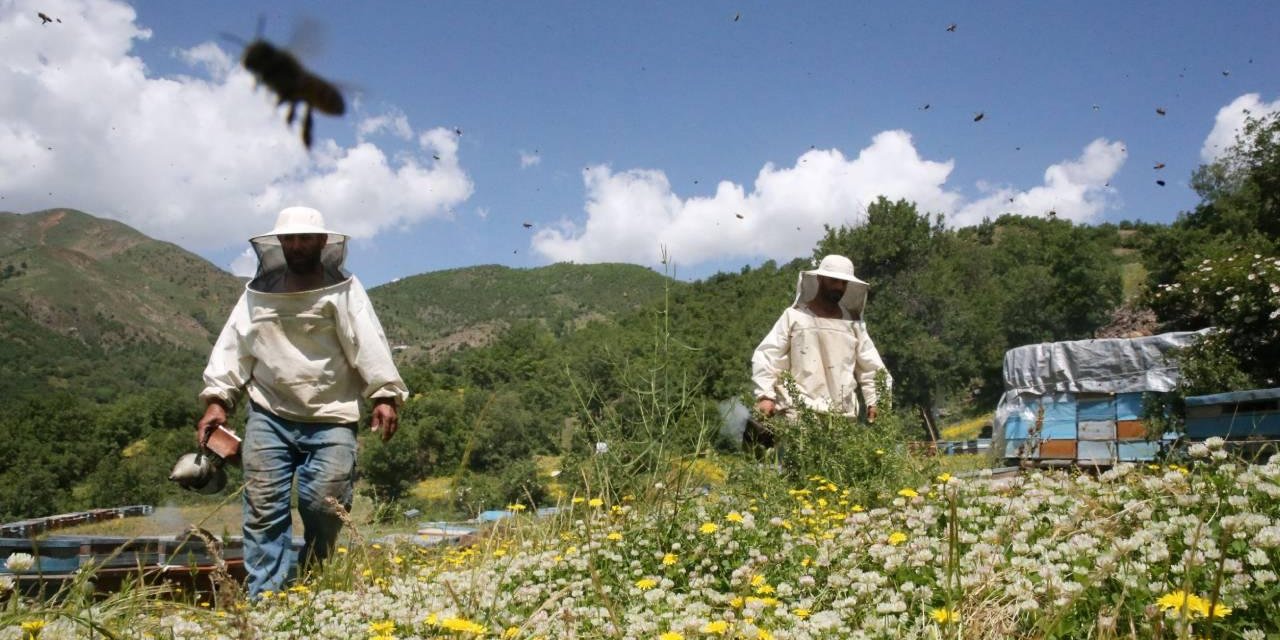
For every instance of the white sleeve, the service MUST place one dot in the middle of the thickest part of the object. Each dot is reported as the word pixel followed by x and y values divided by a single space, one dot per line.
pixel 771 358
pixel 866 364
pixel 230 363
pixel 366 348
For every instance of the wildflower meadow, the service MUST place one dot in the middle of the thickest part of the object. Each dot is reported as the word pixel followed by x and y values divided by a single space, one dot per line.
pixel 1138 551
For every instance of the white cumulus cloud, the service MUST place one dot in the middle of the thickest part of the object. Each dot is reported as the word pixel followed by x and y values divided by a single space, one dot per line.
pixel 631 214
pixel 203 158
pixel 1230 120
pixel 529 159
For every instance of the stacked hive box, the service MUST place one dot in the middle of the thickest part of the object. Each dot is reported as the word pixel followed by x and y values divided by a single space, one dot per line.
pixel 1096 429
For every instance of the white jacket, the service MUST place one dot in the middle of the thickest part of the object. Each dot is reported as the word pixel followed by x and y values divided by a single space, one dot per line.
pixel 309 356
pixel 830 359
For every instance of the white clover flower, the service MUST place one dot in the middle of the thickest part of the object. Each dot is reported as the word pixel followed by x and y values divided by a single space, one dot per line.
pixel 1215 443
pixel 1198 450
pixel 20 562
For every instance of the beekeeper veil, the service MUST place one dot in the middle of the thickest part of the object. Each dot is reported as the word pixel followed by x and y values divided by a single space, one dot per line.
pixel 840 268
pixel 291 221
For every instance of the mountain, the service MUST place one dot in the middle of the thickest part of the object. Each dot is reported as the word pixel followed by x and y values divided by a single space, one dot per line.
pixel 433 314
pixel 102 282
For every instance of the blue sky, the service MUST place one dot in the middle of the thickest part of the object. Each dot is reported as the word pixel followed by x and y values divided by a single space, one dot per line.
pixel 616 127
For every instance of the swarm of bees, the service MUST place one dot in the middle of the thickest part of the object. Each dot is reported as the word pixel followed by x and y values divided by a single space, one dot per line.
pixel 281 72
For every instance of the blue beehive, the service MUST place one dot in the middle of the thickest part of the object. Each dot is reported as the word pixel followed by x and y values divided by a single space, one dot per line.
pixel 1239 414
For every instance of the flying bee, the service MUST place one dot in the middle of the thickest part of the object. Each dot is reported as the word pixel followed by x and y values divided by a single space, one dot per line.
pixel 284 75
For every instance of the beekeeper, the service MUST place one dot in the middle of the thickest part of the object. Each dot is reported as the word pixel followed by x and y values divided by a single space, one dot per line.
pixel 303 343
pixel 822 341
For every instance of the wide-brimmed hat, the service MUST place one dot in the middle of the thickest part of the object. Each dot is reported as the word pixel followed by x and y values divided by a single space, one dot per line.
pixel 298 220
pixel 838 267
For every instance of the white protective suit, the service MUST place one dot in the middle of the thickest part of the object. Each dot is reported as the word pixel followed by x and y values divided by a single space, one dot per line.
pixel 829 358
pixel 308 356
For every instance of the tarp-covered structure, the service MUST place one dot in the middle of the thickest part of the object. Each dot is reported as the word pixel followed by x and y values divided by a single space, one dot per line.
pixel 1081 400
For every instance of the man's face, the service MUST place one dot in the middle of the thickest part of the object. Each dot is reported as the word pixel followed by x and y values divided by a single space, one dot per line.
pixel 302 251
pixel 831 289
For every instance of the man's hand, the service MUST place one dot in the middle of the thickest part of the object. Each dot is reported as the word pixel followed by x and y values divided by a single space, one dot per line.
pixel 871 413
pixel 385 420
pixel 215 415
pixel 766 406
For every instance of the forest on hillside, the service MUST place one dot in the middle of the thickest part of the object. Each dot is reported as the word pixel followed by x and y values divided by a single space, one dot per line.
pixel 945 305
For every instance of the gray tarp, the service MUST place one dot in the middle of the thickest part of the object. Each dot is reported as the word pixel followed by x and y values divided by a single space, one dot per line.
pixel 1109 365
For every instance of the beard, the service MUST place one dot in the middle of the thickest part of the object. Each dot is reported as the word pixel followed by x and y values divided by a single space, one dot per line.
pixel 832 296
pixel 306 263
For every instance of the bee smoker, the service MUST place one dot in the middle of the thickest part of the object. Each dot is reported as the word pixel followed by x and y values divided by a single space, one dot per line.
pixel 203 471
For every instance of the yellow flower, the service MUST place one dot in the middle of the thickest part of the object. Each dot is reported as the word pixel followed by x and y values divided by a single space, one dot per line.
pixel 645 584
pixel 897 537
pixel 32 627
pixel 342 550
pixel 943 616
pixel 758 580
pixel 857 508
pixel 463 625
pixel 517 507
pixel 671 635
pixel 879 452
pixel 433 619
pixel 761 634
pixel 499 553
pixel 578 500
pixel 382 627
pixel 670 559
pixel 734 516
pixel 382 637
pixel 764 590
pixel 736 602
pixel 708 527
pixel 719 627
pixel 614 535
pixel 908 493
pixel 511 632
pixel 596 502
pixel 1194 604
pixel 802 613
pixel 944 477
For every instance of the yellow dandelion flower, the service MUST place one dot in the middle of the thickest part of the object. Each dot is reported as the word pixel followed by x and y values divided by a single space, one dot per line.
pixel 718 627
pixel 382 628
pixel 944 616
pixel 758 580
pixel 670 559
pixel 708 527
pixel 596 502
pixel 879 452
pixel 499 553
pixel 944 477
pixel 801 613
pixel 578 500
pixel 764 589
pixel 32 628
pixel 517 507
pixel 736 602
pixel 510 632
pixel 342 550
pixel 433 619
pixel 614 535
pixel 382 637
pixel 671 635
pixel 464 626
pixel 734 516
pixel 897 537
pixel 645 584
pixel 908 493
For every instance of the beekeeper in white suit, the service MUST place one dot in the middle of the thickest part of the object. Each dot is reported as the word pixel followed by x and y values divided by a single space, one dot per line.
pixel 822 341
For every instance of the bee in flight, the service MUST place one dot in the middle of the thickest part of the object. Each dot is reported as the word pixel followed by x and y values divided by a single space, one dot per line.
pixel 291 82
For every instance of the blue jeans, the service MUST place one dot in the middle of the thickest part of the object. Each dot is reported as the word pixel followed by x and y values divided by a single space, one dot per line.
pixel 322 457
